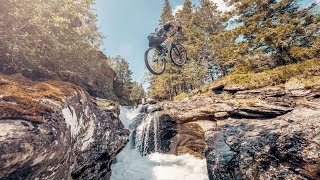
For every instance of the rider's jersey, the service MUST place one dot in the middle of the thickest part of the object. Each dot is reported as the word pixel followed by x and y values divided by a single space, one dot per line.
pixel 160 31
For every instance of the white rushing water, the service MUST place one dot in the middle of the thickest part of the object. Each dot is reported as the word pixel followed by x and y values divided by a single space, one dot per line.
pixel 130 165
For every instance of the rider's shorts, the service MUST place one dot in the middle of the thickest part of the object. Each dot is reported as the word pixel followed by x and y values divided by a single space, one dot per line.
pixel 155 41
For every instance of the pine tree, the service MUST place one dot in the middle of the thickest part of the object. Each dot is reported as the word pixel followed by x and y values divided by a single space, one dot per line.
pixel 166 12
pixel 208 21
pixel 185 17
pixel 167 85
pixel 137 92
pixel 275 33
pixel 47 37
pixel 193 73
pixel 122 83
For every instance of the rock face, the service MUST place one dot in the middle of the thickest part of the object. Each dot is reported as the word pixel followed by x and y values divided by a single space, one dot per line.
pixel 268 133
pixel 53 130
pixel 286 147
pixel 152 133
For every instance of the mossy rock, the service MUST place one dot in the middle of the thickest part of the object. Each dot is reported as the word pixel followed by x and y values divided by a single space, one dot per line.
pixel 186 150
pixel 27 100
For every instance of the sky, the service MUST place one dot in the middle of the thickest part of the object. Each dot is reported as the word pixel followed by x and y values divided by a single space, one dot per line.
pixel 127 23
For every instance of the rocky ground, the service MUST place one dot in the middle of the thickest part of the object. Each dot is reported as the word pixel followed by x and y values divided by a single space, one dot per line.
pixel 268 133
pixel 54 130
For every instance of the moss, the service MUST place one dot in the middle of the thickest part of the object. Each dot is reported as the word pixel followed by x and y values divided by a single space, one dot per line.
pixel 105 104
pixel 307 72
pixel 23 99
pixel 180 96
pixel 204 89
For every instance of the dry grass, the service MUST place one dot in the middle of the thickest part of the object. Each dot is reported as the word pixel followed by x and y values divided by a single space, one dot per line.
pixel 181 96
pixel 308 72
pixel 22 99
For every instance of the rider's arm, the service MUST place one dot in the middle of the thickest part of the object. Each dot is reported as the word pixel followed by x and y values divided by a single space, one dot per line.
pixel 175 23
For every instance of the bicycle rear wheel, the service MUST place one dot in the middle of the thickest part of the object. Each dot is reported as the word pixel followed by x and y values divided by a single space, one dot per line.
pixel 178 54
pixel 154 63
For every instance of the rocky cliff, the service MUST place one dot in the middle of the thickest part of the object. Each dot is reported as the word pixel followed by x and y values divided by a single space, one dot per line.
pixel 268 133
pixel 54 130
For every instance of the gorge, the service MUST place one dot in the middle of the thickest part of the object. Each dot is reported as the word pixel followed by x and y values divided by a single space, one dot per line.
pixel 56 130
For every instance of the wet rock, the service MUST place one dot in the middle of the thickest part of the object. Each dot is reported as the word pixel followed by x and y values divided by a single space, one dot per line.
pixel 190 139
pixel 53 130
pixel 154 133
pixel 254 134
pixel 151 101
pixel 153 108
pixel 233 89
pixel 260 110
pixel 284 147
pixel 217 88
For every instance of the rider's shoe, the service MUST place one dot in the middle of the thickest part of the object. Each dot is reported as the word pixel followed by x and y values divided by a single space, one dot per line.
pixel 164 48
pixel 162 55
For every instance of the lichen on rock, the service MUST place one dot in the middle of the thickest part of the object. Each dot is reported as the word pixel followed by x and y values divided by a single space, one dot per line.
pixel 54 130
pixel 267 133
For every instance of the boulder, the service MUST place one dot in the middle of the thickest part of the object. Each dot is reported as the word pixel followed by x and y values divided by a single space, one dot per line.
pixel 284 147
pixel 266 133
pixel 54 130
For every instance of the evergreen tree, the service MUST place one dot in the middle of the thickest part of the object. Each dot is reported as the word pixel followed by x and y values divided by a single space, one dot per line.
pixel 137 92
pixel 58 40
pixel 198 27
pixel 165 86
pixel 166 14
pixel 122 82
pixel 185 18
pixel 208 21
pixel 275 33
pixel 48 37
pixel 193 73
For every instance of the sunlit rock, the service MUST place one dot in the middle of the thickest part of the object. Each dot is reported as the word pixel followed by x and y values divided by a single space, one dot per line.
pixel 266 133
pixel 53 130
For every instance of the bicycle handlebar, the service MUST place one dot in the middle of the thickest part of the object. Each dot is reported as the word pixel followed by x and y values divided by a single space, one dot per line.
pixel 177 30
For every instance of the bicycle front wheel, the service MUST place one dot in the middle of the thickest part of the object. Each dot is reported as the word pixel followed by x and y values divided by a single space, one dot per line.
pixel 154 63
pixel 178 54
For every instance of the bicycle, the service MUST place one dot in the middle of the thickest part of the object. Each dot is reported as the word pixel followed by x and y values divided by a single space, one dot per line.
pixel 155 58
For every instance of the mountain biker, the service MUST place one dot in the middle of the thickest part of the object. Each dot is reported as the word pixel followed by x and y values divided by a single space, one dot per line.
pixel 160 36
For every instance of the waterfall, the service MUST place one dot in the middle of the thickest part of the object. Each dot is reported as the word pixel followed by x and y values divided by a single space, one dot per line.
pixel 147 133
pixel 135 162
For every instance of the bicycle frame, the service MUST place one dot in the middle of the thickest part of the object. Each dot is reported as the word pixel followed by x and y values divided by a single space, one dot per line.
pixel 169 46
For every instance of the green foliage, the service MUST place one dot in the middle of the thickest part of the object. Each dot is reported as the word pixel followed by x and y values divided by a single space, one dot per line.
pixel 166 13
pixel 307 71
pixel 137 92
pixel 122 82
pixel 53 39
pixel 207 22
pixel 197 25
pixel 273 33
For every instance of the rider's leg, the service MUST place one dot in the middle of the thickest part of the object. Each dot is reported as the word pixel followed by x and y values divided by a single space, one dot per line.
pixel 168 40
pixel 166 43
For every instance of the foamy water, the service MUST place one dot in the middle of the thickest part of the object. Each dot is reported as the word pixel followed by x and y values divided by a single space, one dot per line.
pixel 130 165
